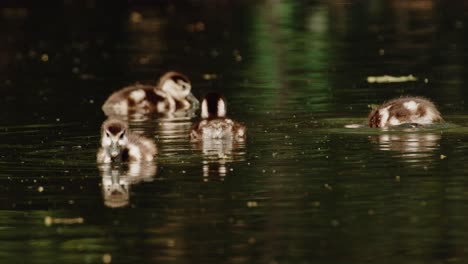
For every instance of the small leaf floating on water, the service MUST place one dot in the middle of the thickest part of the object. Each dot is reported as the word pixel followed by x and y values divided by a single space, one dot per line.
pixel 391 79
pixel 328 187
pixel 49 220
pixel 442 156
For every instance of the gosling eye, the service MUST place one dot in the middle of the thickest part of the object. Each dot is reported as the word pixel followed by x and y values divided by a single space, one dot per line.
pixel 122 135
pixel 107 134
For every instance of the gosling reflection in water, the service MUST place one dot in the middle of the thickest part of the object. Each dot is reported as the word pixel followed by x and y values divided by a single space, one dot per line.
pixel 217 154
pixel 117 181
pixel 410 146
pixel 220 139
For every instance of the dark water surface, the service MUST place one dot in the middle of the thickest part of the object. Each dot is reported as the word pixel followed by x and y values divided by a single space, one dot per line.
pixel 302 189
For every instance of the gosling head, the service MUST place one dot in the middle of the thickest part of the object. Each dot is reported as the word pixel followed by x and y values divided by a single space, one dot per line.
pixel 175 84
pixel 114 136
pixel 213 106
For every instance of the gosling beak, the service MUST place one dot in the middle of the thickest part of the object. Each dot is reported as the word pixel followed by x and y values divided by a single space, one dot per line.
pixel 114 150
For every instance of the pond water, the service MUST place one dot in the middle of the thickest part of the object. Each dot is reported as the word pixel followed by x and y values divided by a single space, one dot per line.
pixel 301 189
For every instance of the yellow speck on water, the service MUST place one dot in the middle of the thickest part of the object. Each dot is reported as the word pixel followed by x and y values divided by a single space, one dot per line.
pixel 397 178
pixel 370 212
pixel 45 58
pixel 106 258
pixel 171 243
pixel 209 76
pixel 135 17
pixel 40 189
pixel 316 203
pixel 251 204
pixel 328 187
pixel 442 156
pixel 48 221
pixel 237 55
pixel 252 240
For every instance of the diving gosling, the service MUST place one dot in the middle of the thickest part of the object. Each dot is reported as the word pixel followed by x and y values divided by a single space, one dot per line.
pixel 172 93
pixel 215 124
pixel 405 110
pixel 120 145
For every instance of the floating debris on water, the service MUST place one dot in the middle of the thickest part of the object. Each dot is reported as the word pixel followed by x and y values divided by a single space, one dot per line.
pixel 391 79
pixel 106 258
pixel 397 178
pixel 251 204
pixel 210 76
pixel 328 187
pixel 44 57
pixel 171 243
pixel 135 17
pixel 442 156
pixel 196 27
pixel 49 220
pixel 353 126
pixel 237 55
